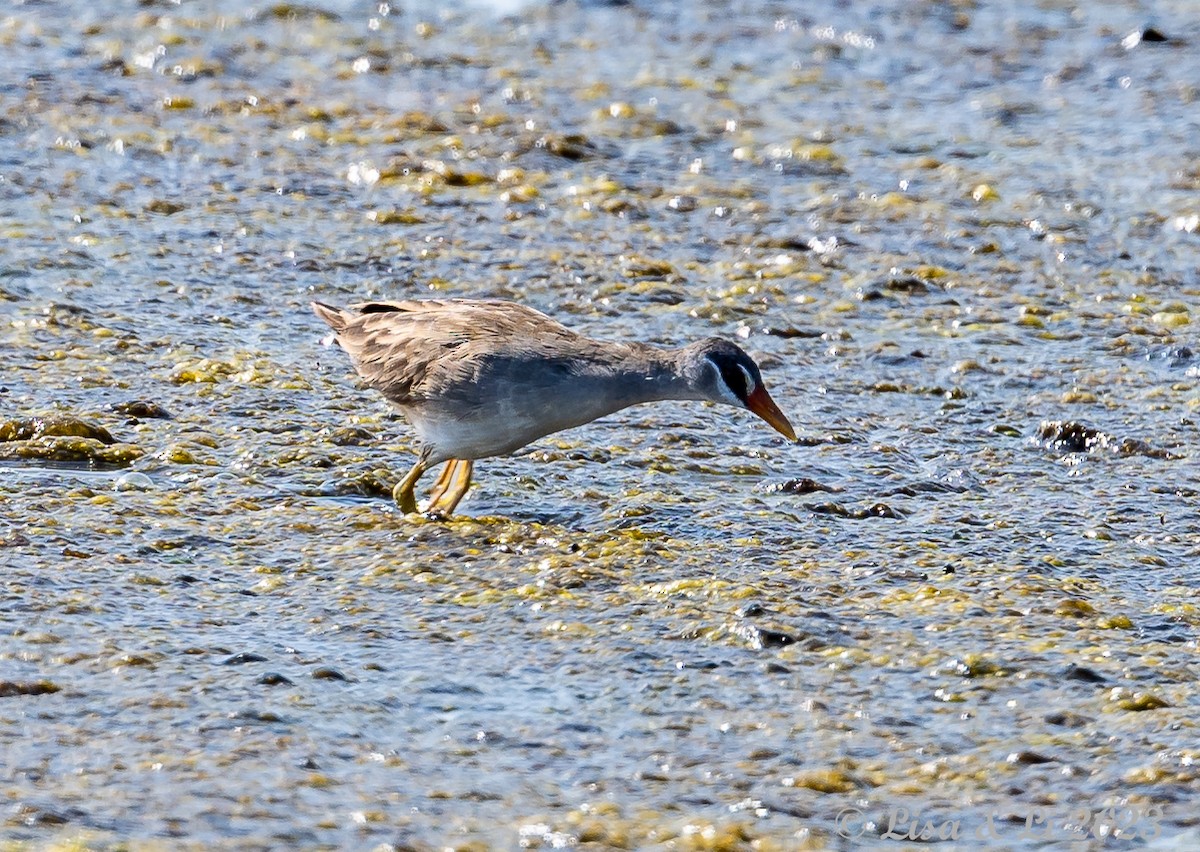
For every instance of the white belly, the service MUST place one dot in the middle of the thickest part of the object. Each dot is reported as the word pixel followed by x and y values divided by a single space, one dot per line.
pixel 495 432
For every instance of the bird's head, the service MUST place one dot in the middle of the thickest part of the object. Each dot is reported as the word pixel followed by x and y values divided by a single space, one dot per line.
pixel 719 371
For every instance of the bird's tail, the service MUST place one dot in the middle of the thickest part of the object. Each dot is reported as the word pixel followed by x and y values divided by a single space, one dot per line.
pixel 335 318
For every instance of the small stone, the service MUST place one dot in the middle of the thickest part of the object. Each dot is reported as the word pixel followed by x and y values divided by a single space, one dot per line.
pixel 243 658
pixel 53 426
pixel 326 673
pixel 1029 758
pixel 883 510
pixel 35 815
pixel 763 754
pixel 1083 673
pixel 160 205
pixel 765 637
pixel 1137 702
pixel 251 715
pixel 1067 719
pixel 351 436
pixel 797 486
pixel 906 284
pixel 141 409
pixel 823 781
pixel 984 192
pixel 274 679
pixel 1074 608
pixel 10 688
pixel 1149 35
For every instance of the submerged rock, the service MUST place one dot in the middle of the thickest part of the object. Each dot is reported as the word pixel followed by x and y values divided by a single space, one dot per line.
pixel 764 637
pixel 11 688
pixel 64 426
pixel 1068 719
pixel 327 673
pixel 369 483
pixel 803 485
pixel 62 439
pixel 352 436
pixel 70 449
pixel 1070 436
pixel 242 658
pixel 1083 673
pixel 877 510
pixel 141 409
pixel 1030 758
pixel 1135 701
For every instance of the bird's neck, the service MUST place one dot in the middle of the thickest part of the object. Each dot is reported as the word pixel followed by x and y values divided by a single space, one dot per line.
pixel 643 373
pixel 609 378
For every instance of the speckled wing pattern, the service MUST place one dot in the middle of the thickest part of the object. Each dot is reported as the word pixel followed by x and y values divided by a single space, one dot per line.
pixel 413 351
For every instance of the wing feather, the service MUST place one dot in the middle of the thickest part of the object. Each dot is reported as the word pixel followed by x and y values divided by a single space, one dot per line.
pixel 412 351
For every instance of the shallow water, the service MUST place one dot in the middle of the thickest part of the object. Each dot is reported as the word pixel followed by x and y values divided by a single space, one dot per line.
pixel 956 237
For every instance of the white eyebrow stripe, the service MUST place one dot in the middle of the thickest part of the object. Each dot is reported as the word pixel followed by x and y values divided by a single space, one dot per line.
pixel 750 383
pixel 722 386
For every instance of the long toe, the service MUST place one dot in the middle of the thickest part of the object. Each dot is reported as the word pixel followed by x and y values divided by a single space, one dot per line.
pixel 458 488
pixel 443 482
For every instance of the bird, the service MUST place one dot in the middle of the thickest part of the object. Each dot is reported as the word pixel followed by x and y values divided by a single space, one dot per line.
pixel 478 379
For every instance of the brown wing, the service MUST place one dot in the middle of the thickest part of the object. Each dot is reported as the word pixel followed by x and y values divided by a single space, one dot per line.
pixel 411 351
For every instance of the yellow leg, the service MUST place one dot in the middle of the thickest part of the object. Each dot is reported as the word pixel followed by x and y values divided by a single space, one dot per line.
pixel 403 493
pixel 461 483
pixel 443 482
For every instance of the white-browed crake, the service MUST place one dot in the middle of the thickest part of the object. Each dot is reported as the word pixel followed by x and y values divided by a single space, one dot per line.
pixel 479 379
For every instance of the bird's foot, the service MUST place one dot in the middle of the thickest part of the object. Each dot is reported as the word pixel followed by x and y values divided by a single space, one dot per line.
pixel 405 498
